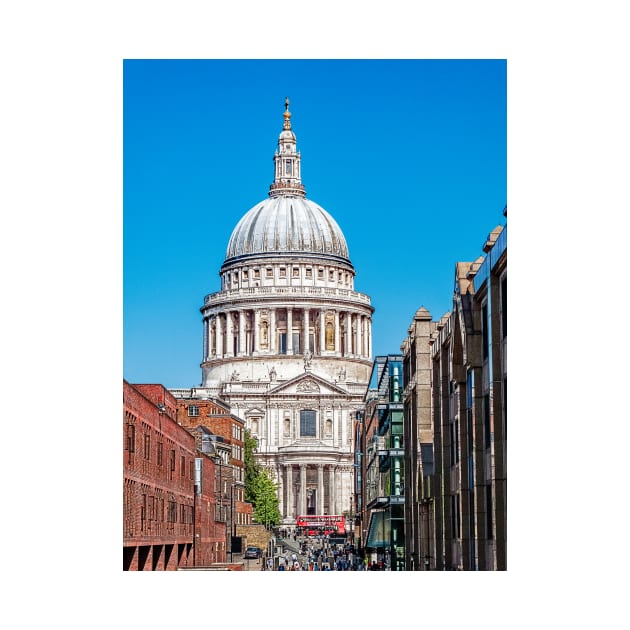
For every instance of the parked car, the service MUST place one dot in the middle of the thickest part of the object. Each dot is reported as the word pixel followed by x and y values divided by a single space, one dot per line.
pixel 252 552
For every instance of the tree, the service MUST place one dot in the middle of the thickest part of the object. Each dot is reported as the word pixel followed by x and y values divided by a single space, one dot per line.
pixel 266 509
pixel 252 469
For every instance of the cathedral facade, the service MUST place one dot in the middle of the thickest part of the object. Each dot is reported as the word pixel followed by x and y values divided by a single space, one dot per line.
pixel 287 341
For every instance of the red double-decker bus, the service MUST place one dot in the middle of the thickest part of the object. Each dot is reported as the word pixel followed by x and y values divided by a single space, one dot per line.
pixel 312 524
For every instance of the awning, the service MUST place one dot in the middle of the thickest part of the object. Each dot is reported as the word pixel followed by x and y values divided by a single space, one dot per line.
pixel 379 531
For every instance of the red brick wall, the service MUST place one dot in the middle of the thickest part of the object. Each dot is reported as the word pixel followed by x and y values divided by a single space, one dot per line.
pixel 217 417
pixel 158 479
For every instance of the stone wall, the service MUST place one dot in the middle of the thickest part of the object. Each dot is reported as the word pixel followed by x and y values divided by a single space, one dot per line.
pixel 254 536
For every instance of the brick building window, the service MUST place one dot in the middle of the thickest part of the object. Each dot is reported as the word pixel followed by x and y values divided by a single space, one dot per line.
pixel 143 512
pixel 160 449
pixel 171 515
pixel 147 446
pixel 131 438
pixel 193 411
pixel 182 466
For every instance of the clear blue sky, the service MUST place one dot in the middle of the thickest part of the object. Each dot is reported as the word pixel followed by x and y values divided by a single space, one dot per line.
pixel 422 145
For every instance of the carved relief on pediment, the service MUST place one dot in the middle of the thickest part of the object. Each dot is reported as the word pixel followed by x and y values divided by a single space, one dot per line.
pixel 307 386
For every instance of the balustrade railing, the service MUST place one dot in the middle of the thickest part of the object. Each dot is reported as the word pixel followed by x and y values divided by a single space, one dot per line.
pixel 231 294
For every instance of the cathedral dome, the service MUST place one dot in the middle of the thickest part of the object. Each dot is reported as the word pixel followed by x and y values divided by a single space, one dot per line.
pixel 287 225
pixel 287 222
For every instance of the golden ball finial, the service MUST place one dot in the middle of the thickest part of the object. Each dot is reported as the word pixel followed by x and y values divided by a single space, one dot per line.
pixel 287 114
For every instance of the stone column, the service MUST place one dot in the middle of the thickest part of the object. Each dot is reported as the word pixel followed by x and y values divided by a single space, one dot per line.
pixel 364 335
pixel 337 333
pixel 289 510
pixel 241 333
pixel 206 338
pixel 306 327
pixel 289 330
pixel 320 488
pixel 212 342
pixel 361 353
pixel 255 331
pixel 349 333
pixel 229 335
pixel 322 332
pixel 369 337
pixel 280 491
pixel 272 330
pixel 219 333
pixel 302 488
pixel 357 335
pixel 331 490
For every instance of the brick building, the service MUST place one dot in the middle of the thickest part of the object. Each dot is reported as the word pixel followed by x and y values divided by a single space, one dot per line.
pixel 221 435
pixel 162 514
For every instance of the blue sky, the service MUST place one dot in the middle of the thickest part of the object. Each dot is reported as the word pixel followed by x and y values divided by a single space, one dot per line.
pixel 409 156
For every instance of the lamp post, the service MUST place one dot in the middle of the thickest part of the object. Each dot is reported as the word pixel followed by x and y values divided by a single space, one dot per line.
pixel 232 525
pixel 196 491
pixel 194 517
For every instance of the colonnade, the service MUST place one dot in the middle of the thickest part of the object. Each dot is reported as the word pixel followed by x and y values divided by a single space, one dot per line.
pixel 324 492
pixel 251 332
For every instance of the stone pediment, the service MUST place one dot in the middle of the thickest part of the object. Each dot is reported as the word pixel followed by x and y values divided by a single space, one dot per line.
pixel 308 384
pixel 255 411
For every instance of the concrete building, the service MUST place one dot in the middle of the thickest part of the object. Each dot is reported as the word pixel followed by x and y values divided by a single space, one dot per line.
pixel 469 390
pixel 420 487
pixel 287 341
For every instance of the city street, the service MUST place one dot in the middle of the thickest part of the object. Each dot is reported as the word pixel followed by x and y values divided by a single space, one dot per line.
pixel 309 554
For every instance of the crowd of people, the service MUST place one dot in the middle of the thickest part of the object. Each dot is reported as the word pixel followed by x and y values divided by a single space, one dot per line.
pixel 319 553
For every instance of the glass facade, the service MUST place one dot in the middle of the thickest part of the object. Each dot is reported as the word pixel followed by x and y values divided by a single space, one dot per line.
pixel 385 465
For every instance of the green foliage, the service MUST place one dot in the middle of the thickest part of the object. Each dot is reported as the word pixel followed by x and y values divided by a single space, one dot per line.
pixel 252 469
pixel 260 490
pixel 266 509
